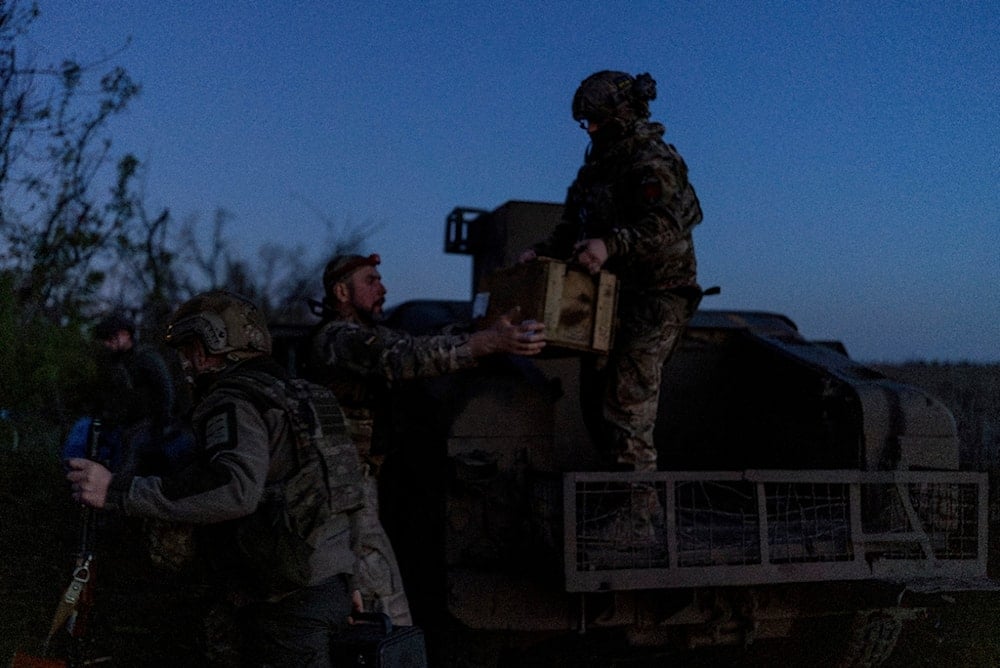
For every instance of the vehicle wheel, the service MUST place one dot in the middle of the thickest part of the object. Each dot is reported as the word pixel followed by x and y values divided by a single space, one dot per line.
pixel 871 639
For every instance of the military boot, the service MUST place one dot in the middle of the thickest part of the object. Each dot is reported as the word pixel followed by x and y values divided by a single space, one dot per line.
pixel 646 514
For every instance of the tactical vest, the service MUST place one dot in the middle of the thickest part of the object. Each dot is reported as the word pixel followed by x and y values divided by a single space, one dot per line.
pixel 609 196
pixel 303 520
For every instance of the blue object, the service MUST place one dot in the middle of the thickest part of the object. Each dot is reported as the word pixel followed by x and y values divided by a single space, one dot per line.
pixel 109 443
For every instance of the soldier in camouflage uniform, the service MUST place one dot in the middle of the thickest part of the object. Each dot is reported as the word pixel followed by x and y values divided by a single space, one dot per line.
pixel 360 360
pixel 630 211
pixel 287 593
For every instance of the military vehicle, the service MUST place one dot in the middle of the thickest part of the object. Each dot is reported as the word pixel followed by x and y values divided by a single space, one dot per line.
pixel 800 491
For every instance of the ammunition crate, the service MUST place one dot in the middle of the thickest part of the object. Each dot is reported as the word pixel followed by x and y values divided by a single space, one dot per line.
pixel 578 308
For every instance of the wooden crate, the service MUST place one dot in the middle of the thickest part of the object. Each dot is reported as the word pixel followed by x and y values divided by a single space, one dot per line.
pixel 578 309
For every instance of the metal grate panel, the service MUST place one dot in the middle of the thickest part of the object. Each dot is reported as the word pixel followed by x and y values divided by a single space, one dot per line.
pixel 671 529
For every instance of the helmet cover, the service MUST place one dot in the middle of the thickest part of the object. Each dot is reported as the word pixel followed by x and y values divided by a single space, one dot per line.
pixel 607 95
pixel 225 322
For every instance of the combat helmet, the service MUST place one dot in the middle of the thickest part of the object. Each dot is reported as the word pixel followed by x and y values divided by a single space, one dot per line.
pixel 227 324
pixel 608 95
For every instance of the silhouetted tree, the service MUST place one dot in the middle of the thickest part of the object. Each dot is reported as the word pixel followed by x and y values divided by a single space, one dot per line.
pixel 76 236
pixel 60 228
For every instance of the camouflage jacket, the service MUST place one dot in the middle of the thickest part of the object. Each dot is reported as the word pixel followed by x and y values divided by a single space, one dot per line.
pixel 247 451
pixel 360 363
pixel 633 194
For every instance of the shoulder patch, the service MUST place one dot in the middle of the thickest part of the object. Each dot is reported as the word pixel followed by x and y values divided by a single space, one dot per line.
pixel 219 429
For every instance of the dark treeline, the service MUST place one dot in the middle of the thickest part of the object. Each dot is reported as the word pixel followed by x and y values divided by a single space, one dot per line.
pixel 78 238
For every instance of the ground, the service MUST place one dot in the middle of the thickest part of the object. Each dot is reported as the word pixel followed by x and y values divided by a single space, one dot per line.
pixel 145 616
pixel 141 615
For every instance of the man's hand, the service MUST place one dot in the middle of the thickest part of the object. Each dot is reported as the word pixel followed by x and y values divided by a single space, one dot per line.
pixel 357 603
pixel 89 482
pixel 527 255
pixel 357 606
pixel 591 254
pixel 526 338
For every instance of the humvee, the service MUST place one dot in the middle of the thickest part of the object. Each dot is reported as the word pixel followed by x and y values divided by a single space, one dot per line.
pixel 799 489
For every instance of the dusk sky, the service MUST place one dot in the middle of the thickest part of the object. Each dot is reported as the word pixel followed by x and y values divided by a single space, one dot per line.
pixel 846 154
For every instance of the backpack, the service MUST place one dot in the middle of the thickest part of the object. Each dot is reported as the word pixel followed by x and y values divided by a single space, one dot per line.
pixel 301 529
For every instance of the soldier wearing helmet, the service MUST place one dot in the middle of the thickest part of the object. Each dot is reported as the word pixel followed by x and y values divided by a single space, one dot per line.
pixel 247 448
pixel 631 211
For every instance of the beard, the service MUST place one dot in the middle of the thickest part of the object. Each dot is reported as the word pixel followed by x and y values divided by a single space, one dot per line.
pixel 373 315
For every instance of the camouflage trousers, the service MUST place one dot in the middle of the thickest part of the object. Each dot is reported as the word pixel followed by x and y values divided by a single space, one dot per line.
pixel 624 389
pixel 376 571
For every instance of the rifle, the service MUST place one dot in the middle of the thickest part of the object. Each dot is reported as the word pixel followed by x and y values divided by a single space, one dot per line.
pixel 74 606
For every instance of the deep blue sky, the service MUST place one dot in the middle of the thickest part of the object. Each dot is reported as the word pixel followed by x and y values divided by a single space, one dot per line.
pixel 846 154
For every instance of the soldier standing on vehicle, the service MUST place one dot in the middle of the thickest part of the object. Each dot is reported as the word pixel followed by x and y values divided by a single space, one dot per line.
pixel 630 211
pixel 277 506
pixel 361 360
